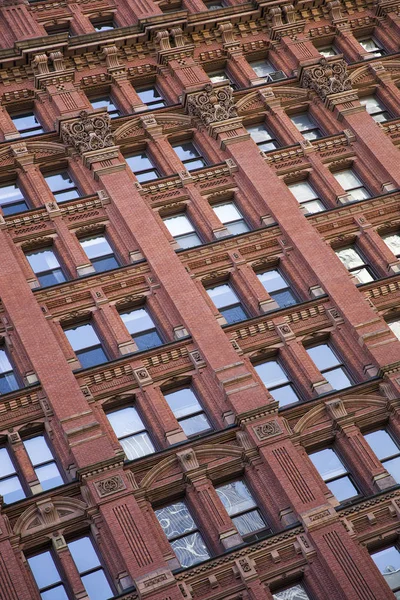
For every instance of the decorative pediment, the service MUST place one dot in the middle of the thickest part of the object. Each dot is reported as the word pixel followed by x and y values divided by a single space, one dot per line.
pixel 366 73
pixel 18 149
pixel 46 514
pixel 135 128
pixel 259 98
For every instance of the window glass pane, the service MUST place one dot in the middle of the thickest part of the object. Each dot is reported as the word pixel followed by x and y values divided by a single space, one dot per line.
pixel 271 373
pixel 186 151
pixel 322 356
pixel 145 341
pixel 125 421
pixel 49 476
pixel 222 295
pixel 190 550
pixel 6 465
pixel 303 121
pixel 11 490
pixel 139 162
pixel 262 67
pixel 175 519
pixel 237 227
pixel 342 489
pixel 327 463
pixel 272 280
pixel 59 181
pixel 233 314
pixel 137 445
pixel 105 102
pixel 91 357
pixel 96 246
pixel 183 402
pixel 44 570
pixel 249 522
pixel 4 362
pixel 302 191
pixel 381 443
pixel 371 104
pixel 42 260
pixel 395 327
pixel 236 497
pixel 337 378
pixel 284 395
pixel 194 425
pixel 284 298
pixel 218 76
pixel 259 133
pixel 296 592
pixel 10 193
pixel 347 179
pixel 178 225
pixel 151 96
pixel 393 242
pixel 82 336
pixel 97 586
pixel 227 212
pixel 38 450
pixel 84 554
pixel 57 593
pixel 393 468
pixel 137 320
pixel 388 563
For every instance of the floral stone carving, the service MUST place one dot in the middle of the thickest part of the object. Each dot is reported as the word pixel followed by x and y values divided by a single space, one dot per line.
pixel 327 77
pixel 88 132
pixel 212 105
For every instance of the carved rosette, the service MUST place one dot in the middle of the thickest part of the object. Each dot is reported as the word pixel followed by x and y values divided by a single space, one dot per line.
pixel 212 105
pixel 88 132
pixel 327 77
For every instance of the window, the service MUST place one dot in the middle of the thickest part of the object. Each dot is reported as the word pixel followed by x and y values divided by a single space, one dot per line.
pixel 227 302
pixel 386 450
pixel 86 345
pixel 106 102
pixel 142 166
pixel 395 327
pixel 330 366
pixel 12 200
pixel 214 5
pixel 151 96
pixel 388 563
pixel 306 196
pixel 242 508
pixel 26 123
pixel 190 156
pixel 264 140
pixel 10 485
pixel 375 108
pixel 372 47
pixel 355 264
pixel 327 51
pixel 8 382
pixel 307 126
pixel 221 75
pixel 182 231
pixel 50 583
pixel 276 381
pixel 187 411
pixel 334 473
pixel 62 186
pixel 294 592
pixel 100 253
pixel 43 462
pixel 46 267
pixel 352 184
pixel 265 69
pixel 230 216
pixel 277 288
pixel 131 432
pixel 392 241
pixel 142 329
pixel 106 26
pixel 182 533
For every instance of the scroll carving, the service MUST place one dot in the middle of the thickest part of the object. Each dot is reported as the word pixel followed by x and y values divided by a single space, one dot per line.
pixel 327 77
pixel 212 105
pixel 89 132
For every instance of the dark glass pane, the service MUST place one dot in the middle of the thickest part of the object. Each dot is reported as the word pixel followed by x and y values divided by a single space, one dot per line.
pixel 146 340
pixel 8 383
pixel 342 489
pixel 105 264
pixel 12 209
pixel 284 298
pixel 233 314
pixel 92 357
pixel 97 586
pixel 56 276
pixel 393 467
pixel 195 425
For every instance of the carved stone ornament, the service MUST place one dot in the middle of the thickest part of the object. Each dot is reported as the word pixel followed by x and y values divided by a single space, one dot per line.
pixel 111 485
pixel 212 105
pixel 89 132
pixel 267 430
pixel 327 77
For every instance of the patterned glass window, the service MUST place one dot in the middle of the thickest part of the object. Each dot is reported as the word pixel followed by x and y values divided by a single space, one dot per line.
pixel 386 450
pixel 294 592
pixel 372 46
pixel 307 197
pixel 142 166
pixel 307 126
pixel 182 533
pixel 392 241
pixel 388 563
pixel 99 252
pixel 182 231
pixel 142 328
pixel 262 137
pixel 86 345
pixel 330 366
pixel 230 216
pixel 131 432
pixel 352 184
pixel 10 486
pixel 12 200
pixel 46 267
pixel 188 411
pixel 242 508
pixel 8 381
pixel 151 97
pixel 227 302
pixel 277 287
pixel 43 462
pixel 62 186
pixel 355 264
pixel 276 381
pixel 334 473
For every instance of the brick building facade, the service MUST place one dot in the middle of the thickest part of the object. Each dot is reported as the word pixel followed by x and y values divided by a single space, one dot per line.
pixel 200 285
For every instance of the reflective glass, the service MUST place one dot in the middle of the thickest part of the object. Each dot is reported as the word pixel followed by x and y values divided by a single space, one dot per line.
pixel 272 280
pixel 59 181
pixel 38 450
pixel 190 550
pixel 249 522
pixel 303 122
pixel 4 362
pixel 11 490
pixel 370 45
pixel 84 554
pixel 10 193
pixel 284 298
pixel 104 27
pixel 6 465
pixel 347 179
pixel 175 519
pixel 96 246
pixel 27 124
pixel 42 260
pixel 327 51
pixel 186 151
pixel 82 336
pixel 97 586
pixel 342 489
pixel 358 194
pixel 337 378
pixel 322 356
pixel 284 395
pixel 137 445
pixel 8 383
pixel 137 320
pixel 105 102
pixel 139 162
pixel 178 225
pixel 44 570
pixel 183 402
pixel 327 463
pixel 151 96
pixel 195 425
pixel 295 592
pixel 105 264
pixel 51 278
pixel 218 76
pixel 388 563
pixel 382 444
pixel 392 240
pixel 262 67
pixel 49 476
pixel 236 497
pixel 271 373
pixel 91 357
pixel 395 327
pixel 57 593
pixel 259 133
pixel 371 104
pixel 214 5
pixel 222 295
pixel 393 468
pixel 237 227
pixel 125 421
pixel 302 191
pixel 227 212
pixel 147 340
pixel 233 314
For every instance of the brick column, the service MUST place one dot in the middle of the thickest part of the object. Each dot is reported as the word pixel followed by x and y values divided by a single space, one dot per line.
pixel 7 127
pixel 18 23
pixel 69 567
pixel 15 581
pixel 349 45
pixel 375 249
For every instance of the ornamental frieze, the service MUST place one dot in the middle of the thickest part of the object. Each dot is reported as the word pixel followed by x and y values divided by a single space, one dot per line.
pixel 326 77
pixel 87 133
